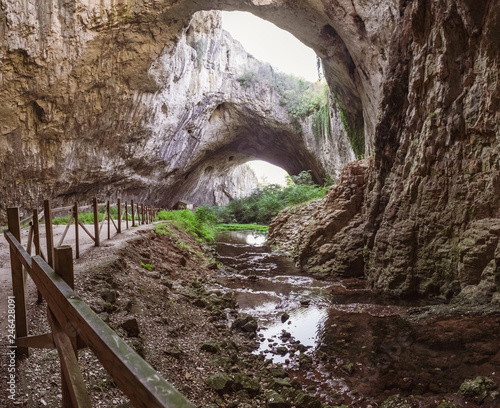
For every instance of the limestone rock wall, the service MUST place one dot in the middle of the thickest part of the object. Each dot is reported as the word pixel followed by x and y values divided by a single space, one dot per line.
pixel 133 100
pixel 429 222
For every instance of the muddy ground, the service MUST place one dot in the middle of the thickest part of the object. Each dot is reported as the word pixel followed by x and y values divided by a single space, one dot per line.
pixel 162 293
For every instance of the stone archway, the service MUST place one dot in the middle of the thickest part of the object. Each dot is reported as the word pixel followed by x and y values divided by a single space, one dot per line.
pixel 81 109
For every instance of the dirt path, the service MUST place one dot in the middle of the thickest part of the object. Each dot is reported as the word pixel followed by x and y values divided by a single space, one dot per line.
pixel 88 253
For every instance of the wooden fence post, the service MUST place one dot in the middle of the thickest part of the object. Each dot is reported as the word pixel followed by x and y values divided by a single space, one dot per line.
pixel 126 214
pixel 77 227
pixel 63 266
pixel 36 241
pixel 96 223
pixel 18 283
pixel 109 221
pixel 49 233
pixel 133 212
pixel 118 204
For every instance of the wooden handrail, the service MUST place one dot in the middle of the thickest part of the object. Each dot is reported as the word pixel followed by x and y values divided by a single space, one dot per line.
pixel 145 387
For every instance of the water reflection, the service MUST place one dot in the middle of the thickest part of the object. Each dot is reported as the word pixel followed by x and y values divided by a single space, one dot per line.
pixel 267 285
pixel 253 238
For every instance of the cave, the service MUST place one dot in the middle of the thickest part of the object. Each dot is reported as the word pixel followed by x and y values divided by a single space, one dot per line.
pixel 153 101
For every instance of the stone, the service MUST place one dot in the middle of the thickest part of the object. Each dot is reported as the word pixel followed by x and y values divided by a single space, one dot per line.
pixel 307 401
pixel 478 389
pixel 110 296
pixel 275 400
pixel 305 361
pixel 277 372
pixel 131 327
pixel 175 352
pixel 243 381
pixel 245 323
pixel 220 382
pixel 277 384
pixel 200 303
pixel 211 346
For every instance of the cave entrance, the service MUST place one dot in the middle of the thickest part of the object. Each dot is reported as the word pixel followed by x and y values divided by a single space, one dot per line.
pixel 268 173
pixel 269 43
pixel 241 109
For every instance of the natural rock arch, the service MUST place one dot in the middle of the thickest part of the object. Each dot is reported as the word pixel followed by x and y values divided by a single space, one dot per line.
pixel 80 122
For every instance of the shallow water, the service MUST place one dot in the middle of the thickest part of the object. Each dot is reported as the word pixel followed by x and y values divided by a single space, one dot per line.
pixel 267 285
pixel 361 345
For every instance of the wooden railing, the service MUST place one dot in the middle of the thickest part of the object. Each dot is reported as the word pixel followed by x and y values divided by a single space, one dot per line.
pixel 74 326
pixel 139 214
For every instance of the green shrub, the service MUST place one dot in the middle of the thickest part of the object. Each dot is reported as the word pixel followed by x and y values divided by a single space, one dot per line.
pixel 247 79
pixel 262 206
pixel 188 221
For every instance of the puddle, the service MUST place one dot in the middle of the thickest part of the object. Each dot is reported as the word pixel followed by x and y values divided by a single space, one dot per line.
pixel 290 307
pixel 351 345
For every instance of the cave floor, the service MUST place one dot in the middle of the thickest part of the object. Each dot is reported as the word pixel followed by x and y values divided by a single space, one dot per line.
pixel 360 347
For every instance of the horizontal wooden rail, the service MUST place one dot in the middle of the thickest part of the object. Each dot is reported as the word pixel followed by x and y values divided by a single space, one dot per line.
pixel 145 387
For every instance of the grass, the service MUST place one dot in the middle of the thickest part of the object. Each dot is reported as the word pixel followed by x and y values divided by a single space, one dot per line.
pixel 262 206
pixel 195 223
pixel 84 218
pixel 88 217
pixel 241 227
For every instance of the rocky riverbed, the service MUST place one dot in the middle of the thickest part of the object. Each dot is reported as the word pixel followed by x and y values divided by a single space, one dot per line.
pixel 247 330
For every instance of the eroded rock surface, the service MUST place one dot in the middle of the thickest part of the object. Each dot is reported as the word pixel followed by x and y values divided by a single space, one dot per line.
pixel 140 101
pixel 429 223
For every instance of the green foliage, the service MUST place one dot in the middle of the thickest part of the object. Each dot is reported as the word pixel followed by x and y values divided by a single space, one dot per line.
pixel 164 229
pixel 301 97
pixel 321 122
pixel 149 267
pixel 356 138
pixel 84 218
pixel 182 245
pixel 262 206
pixel 197 223
pixel 247 79
pixel 242 227
pixel 304 178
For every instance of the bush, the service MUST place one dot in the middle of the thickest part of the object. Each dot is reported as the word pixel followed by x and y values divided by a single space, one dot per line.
pixel 190 222
pixel 84 218
pixel 263 205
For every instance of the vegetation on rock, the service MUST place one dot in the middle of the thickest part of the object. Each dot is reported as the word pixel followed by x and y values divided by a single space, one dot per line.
pixel 263 205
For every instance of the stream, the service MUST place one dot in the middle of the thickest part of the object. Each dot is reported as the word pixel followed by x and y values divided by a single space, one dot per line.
pixel 350 345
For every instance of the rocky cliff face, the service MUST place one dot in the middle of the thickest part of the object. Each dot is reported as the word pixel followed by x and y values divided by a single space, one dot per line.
pixel 85 108
pixel 430 218
pixel 125 100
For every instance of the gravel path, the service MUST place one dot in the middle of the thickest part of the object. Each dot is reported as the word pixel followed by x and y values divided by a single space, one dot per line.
pixel 88 253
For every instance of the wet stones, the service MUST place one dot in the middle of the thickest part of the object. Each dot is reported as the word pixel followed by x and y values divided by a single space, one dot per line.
pixel 307 401
pixel 220 382
pixel 245 323
pixel 244 382
pixel 210 346
pixel 275 400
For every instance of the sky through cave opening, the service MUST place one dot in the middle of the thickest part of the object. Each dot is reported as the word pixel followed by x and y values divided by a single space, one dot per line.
pixel 268 43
